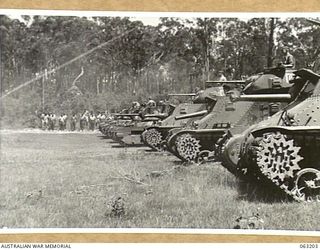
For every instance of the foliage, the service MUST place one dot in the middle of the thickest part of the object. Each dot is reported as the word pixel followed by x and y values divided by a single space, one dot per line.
pixel 175 56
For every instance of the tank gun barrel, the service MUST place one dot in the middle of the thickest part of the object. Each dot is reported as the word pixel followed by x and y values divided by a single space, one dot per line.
pixel 316 22
pixel 229 82
pixel 265 97
pixel 130 114
pixel 191 115
pixel 160 115
pixel 188 94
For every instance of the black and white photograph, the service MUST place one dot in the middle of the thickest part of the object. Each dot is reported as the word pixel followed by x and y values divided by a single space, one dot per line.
pixel 161 121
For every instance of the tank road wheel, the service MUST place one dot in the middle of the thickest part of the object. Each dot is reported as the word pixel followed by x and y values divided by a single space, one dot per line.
pixel 277 157
pixel 154 138
pixel 229 153
pixel 307 185
pixel 203 157
pixel 188 147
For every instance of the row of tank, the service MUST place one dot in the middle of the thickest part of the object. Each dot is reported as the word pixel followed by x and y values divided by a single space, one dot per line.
pixel 265 130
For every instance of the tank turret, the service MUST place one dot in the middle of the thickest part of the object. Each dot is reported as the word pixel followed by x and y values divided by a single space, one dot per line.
pixel 183 115
pixel 270 81
pixel 279 156
pixel 242 104
pixel 127 126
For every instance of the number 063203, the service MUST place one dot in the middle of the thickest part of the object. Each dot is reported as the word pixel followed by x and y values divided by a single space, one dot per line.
pixel 309 246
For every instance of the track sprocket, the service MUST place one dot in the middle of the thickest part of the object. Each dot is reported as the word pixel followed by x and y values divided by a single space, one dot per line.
pixel 277 157
pixel 153 138
pixel 188 147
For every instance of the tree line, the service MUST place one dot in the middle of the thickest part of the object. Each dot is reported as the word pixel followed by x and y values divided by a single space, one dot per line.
pixel 175 56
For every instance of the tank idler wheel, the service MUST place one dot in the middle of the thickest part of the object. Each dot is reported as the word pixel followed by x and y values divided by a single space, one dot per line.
pixel 205 156
pixel 163 146
pixel 307 185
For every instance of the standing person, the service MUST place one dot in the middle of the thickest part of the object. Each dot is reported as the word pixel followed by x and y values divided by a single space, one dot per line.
pixel 42 116
pixel 151 106
pixel 46 121
pixel 289 61
pixel 230 72
pixel 151 103
pixel 65 118
pixel 221 77
pixel 60 121
pixel 52 121
pixel 98 120
pixel 103 118
pixel 135 107
pixel 83 121
pixel 92 120
pixel 161 107
pixel 73 122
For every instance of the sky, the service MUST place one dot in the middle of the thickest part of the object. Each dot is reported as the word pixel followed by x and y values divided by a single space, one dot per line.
pixel 153 21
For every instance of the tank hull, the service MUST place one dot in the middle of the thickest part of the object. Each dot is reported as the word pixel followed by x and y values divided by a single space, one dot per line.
pixel 192 145
pixel 228 118
pixel 154 136
pixel 279 157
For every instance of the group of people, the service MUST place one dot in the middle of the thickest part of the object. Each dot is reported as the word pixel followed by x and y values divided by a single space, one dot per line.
pixel 50 120
pixel 148 107
pixel 87 121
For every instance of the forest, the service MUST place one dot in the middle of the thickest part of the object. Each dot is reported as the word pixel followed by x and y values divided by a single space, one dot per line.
pixel 67 64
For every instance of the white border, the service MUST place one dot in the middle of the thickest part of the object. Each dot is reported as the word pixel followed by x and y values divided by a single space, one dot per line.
pixel 240 15
pixel 159 231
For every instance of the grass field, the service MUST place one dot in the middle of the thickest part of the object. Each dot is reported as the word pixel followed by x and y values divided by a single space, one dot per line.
pixel 71 180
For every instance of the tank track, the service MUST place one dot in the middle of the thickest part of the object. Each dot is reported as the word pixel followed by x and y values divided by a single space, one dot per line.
pixel 276 158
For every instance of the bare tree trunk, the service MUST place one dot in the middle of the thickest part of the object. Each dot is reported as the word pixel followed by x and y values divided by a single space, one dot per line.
pixel 271 44
pixel 1 67
pixel 98 91
pixel 42 79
